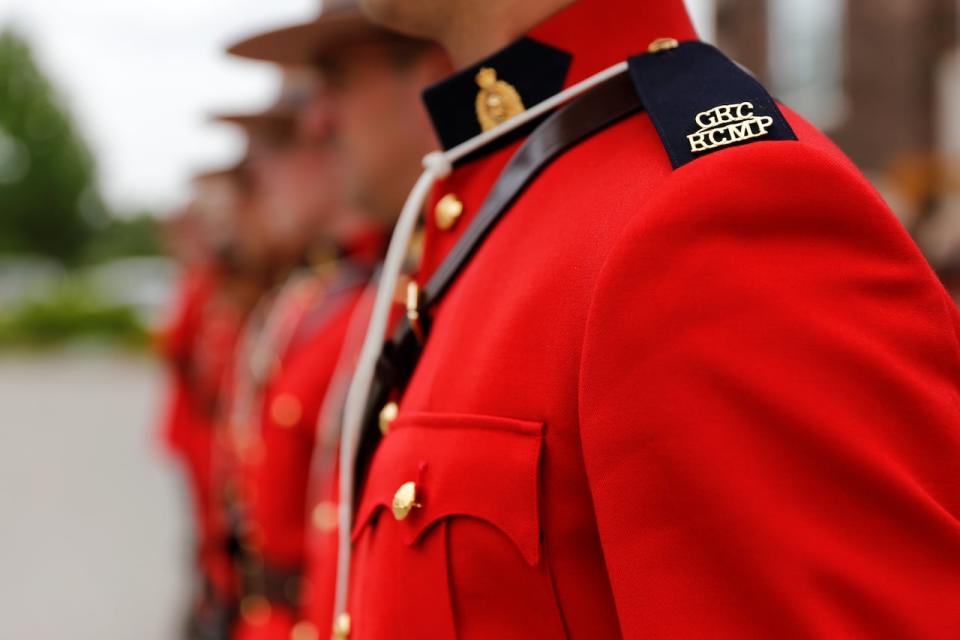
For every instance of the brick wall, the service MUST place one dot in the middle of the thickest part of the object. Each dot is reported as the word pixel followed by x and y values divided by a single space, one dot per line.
pixel 892 51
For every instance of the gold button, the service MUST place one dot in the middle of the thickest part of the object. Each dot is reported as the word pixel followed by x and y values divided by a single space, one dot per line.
pixel 387 415
pixel 324 516
pixel 286 410
pixel 404 500
pixel 304 630
pixel 447 211
pixel 662 44
pixel 341 626
pixel 255 610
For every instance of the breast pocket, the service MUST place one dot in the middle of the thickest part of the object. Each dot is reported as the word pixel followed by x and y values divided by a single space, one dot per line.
pixel 448 534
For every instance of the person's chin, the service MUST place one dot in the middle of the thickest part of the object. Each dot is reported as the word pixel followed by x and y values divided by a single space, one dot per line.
pixel 359 196
pixel 385 12
pixel 402 16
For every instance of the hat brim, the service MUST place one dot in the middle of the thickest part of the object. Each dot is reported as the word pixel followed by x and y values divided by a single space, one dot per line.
pixel 268 118
pixel 234 172
pixel 306 43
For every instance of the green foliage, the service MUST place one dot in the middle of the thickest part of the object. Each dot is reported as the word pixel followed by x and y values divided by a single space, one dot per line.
pixel 71 312
pixel 125 238
pixel 50 207
pixel 49 203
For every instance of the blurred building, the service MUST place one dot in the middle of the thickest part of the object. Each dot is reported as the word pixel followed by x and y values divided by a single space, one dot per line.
pixel 881 77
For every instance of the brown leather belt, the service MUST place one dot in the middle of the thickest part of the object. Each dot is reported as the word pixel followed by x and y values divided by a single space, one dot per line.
pixel 586 116
pixel 278 586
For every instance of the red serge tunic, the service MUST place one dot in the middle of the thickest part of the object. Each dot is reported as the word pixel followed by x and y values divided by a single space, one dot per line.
pixel 277 472
pixel 719 401
pixel 198 344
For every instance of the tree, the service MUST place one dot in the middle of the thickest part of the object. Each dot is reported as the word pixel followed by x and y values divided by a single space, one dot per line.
pixel 49 202
pixel 131 235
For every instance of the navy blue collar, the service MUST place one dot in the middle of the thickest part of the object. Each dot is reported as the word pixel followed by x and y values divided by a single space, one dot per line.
pixel 535 70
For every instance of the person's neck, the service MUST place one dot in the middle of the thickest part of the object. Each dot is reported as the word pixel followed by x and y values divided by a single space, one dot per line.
pixel 485 27
pixel 541 56
pixel 343 228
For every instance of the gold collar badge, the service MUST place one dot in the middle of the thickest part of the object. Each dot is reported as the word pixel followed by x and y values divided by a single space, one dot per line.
pixel 726 125
pixel 497 101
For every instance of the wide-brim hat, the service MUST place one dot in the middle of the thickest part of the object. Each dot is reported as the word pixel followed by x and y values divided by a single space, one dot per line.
pixel 281 116
pixel 339 23
pixel 274 117
pixel 236 171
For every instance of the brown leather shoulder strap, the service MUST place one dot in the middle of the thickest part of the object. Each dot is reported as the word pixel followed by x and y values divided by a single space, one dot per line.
pixel 582 118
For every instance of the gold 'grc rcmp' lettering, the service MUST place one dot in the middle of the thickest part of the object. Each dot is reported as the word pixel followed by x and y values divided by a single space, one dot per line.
pixel 726 125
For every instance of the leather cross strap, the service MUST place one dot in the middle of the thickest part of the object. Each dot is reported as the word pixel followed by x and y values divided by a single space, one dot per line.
pixel 585 116
pixel 279 586
pixel 589 114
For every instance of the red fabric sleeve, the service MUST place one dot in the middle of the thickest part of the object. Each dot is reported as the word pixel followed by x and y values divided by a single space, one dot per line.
pixel 769 410
pixel 176 344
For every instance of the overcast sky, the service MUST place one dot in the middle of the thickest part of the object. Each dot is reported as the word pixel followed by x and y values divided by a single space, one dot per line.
pixel 140 75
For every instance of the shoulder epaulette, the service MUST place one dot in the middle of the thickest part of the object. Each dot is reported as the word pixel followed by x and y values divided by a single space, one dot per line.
pixel 702 102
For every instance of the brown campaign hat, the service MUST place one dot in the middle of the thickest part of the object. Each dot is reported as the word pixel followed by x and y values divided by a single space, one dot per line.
pixel 236 171
pixel 338 23
pixel 281 115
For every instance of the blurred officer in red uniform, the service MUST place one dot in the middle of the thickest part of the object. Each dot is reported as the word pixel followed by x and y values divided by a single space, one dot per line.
pixel 246 259
pixel 366 130
pixel 187 431
pixel 293 188
pixel 672 368
pixel 219 286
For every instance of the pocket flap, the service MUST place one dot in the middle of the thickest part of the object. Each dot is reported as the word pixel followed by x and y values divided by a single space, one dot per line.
pixel 471 466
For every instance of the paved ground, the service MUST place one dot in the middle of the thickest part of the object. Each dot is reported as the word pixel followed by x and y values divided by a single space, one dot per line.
pixel 93 535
